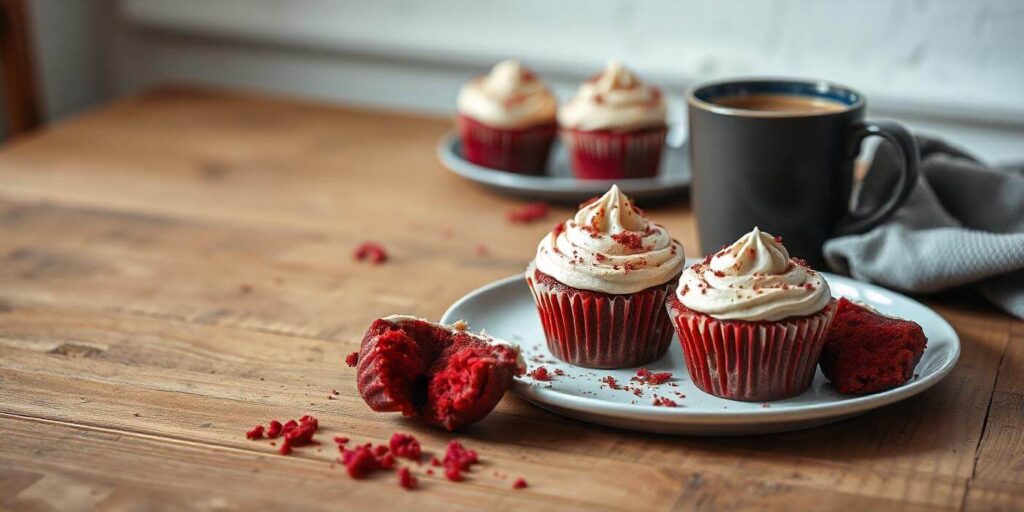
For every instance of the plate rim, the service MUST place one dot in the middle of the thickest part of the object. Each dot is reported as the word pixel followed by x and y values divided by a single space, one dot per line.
pixel 851 406
pixel 663 183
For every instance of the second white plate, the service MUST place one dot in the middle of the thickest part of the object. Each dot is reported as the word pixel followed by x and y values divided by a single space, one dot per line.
pixel 505 309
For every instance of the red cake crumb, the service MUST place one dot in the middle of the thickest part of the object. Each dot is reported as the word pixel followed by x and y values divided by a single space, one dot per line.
pixel 443 376
pixel 285 448
pixel 274 429
pixel 340 439
pixel 629 240
pixel 520 483
pixel 664 402
pixel 540 373
pixel 352 359
pixel 405 479
pixel 403 445
pixel 645 376
pixel 387 461
pixel 459 456
pixel 435 461
pixel 866 352
pixel 372 252
pixel 360 462
pixel 255 433
pixel 611 382
pixel 453 473
pixel 530 212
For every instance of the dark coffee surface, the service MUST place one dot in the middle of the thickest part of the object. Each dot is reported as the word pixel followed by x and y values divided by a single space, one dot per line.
pixel 780 103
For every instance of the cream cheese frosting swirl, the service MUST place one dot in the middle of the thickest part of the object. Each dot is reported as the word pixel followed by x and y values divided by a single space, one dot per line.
pixel 616 100
pixel 753 279
pixel 508 97
pixel 610 247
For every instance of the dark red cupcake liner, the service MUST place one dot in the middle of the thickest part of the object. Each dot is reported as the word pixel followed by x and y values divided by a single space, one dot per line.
pixel 608 155
pixel 600 330
pixel 751 361
pixel 520 151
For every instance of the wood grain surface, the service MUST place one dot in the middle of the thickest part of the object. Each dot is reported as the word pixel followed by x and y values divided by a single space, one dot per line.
pixel 177 267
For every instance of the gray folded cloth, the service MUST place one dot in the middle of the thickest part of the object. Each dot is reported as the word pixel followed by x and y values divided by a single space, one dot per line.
pixel 963 225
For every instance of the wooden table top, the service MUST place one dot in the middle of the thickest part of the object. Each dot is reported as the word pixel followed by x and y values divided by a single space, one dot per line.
pixel 177 267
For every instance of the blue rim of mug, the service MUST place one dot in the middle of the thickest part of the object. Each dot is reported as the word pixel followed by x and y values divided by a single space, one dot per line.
pixel 702 95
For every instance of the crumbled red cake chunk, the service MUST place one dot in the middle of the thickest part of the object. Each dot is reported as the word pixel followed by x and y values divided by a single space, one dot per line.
pixel 645 376
pixel 530 212
pixel 453 473
pixel 446 377
pixel 540 373
pixel 460 456
pixel 406 480
pixel 403 445
pixel 520 483
pixel 360 462
pixel 661 401
pixel 611 382
pixel 371 252
pixel 255 433
pixel 867 352
pixel 352 359
pixel 274 429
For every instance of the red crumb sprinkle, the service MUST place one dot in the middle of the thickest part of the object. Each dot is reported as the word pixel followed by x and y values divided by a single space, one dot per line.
pixel 611 382
pixel 352 359
pixel 520 483
pixel 435 461
pixel 630 240
pixel 719 273
pixel 405 479
pixel 453 473
pixel 645 376
pixel 430 471
pixel 404 445
pixel 360 462
pixel 530 212
pixel 255 433
pixel 663 402
pixel 340 439
pixel 540 373
pixel 460 457
pixel 778 239
pixel 274 429
pixel 372 252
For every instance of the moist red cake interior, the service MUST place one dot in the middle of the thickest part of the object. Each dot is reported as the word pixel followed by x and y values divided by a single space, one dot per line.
pixel 866 352
pixel 446 377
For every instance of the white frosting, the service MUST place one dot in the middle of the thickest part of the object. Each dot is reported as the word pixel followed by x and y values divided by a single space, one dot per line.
pixel 508 97
pixel 463 327
pixel 753 279
pixel 614 100
pixel 610 247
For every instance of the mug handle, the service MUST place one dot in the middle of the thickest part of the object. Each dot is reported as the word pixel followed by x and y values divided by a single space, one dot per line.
pixel 906 146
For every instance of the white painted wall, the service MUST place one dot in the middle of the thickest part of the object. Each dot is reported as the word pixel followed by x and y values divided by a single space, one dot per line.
pixel 951 67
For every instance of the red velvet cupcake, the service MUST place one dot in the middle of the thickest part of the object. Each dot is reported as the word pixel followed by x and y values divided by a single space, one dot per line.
pixel 868 352
pixel 752 320
pixel 443 375
pixel 507 120
pixel 614 128
pixel 600 281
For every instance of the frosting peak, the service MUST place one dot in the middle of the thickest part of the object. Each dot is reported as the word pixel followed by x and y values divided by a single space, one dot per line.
pixel 615 99
pixel 753 279
pixel 510 96
pixel 609 246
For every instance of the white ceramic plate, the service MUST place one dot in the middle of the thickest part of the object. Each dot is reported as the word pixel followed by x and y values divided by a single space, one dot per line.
pixel 560 185
pixel 505 309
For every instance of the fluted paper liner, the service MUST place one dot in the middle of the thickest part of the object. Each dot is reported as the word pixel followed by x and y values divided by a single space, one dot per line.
pixel 615 155
pixel 751 361
pixel 522 151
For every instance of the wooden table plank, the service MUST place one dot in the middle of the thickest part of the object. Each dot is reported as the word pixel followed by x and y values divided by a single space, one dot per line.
pixel 177 267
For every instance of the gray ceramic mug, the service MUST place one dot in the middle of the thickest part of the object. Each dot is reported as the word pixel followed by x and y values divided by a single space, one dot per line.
pixel 779 154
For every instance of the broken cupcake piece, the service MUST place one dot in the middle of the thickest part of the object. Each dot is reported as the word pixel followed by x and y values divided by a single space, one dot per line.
pixel 444 375
pixel 868 352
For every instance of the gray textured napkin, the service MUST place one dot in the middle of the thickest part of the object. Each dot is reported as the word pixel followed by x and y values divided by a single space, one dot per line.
pixel 963 225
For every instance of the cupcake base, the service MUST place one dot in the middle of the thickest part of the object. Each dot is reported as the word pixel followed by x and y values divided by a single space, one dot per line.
pixel 523 151
pixel 600 330
pixel 750 361
pixel 609 155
